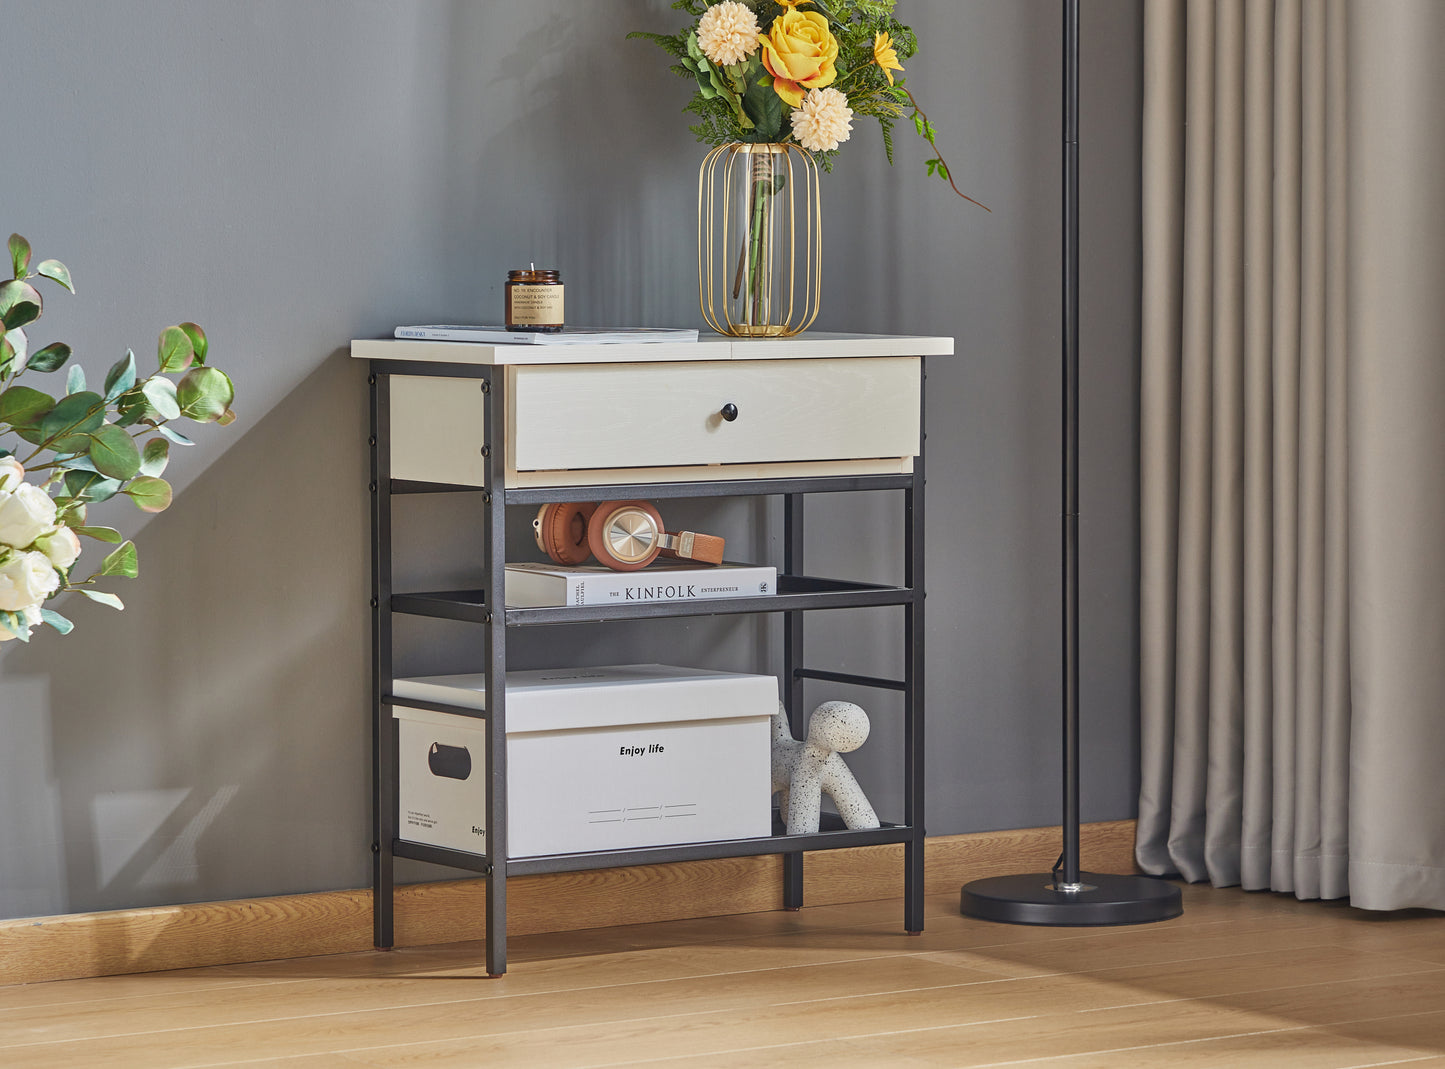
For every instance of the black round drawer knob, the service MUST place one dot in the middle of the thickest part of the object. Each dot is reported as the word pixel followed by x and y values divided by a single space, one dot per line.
pixel 729 411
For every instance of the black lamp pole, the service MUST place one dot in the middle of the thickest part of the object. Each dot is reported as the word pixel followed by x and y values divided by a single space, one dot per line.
pixel 1068 896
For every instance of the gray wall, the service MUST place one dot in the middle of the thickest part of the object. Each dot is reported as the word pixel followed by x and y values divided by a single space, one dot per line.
pixel 294 175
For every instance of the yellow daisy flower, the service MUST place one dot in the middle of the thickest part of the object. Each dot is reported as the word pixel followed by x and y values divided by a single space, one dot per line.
pixel 884 55
pixel 790 4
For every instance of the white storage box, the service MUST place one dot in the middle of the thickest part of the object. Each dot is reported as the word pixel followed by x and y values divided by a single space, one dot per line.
pixel 597 759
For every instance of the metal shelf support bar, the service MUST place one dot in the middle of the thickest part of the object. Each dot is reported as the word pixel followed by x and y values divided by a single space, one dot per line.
pixel 792 659
pixel 494 653
pixel 383 727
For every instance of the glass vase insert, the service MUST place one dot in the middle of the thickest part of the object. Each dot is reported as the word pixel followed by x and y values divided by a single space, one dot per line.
pixel 759 240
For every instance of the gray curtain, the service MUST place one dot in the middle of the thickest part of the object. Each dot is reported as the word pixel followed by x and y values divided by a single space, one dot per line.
pixel 1293 447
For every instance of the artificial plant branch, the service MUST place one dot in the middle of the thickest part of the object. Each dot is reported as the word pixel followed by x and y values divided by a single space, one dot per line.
pixel 925 130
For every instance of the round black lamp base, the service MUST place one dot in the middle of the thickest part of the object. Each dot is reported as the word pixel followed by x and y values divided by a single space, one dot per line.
pixel 1097 900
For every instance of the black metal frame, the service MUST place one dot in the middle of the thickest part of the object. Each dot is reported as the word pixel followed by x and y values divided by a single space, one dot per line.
pixel 797 595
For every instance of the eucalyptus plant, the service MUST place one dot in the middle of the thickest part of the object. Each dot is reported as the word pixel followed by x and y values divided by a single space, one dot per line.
pixel 65 446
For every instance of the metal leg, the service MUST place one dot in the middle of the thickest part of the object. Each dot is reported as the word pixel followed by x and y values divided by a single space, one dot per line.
pixel 383 731
pixel 495 654
pixel 792 661
pixel 913 781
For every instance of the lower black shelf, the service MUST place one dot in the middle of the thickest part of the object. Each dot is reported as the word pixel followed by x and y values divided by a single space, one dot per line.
pixel 657 855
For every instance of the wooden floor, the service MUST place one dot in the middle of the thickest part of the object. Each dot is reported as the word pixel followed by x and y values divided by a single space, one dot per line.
pixel 1239 980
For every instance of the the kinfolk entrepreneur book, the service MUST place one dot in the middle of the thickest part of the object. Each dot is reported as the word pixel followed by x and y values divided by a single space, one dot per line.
pixel 531 585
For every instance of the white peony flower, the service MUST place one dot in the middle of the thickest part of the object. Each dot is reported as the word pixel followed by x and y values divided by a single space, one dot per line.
pixel 32 619
pixel 26 580
pixel 727 33
pixel 61 545
pixel 11 473
pixel 25 515
pixel 823 121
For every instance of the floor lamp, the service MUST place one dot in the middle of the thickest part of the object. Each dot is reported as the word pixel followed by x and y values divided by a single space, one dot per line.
pixel 1067 896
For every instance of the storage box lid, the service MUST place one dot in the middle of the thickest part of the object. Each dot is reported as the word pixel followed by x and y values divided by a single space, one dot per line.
pixel 556 699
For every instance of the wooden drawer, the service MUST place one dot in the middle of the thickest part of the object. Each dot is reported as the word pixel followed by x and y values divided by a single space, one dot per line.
pixel 620 416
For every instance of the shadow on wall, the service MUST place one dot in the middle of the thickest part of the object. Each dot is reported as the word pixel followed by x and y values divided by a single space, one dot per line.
pixel 577 157
pixel 209 742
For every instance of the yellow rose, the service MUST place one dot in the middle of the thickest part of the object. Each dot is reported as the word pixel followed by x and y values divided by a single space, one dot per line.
pixel 799 51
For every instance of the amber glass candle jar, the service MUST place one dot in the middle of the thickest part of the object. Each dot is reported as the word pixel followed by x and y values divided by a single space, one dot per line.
pixel 534 301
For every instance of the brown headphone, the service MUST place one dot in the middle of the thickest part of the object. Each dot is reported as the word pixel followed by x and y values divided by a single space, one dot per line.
pixel 623 535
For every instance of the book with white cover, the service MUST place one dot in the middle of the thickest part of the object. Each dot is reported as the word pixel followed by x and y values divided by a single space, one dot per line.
pixel 566 336
pixel 532 585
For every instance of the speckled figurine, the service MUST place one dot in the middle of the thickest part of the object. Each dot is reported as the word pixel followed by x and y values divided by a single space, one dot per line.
pixel 804 771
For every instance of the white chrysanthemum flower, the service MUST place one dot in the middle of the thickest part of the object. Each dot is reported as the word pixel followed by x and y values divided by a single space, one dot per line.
pixel 727 33
pixel 824 121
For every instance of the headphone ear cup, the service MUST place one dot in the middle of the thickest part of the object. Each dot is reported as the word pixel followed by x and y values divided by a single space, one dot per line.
pixel 625 535
pixel 561 531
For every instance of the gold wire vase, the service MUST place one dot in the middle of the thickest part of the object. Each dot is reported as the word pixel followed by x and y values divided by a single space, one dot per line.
pixel 759 240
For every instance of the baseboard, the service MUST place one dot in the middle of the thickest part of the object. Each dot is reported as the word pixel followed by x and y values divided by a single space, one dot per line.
pixel 334 922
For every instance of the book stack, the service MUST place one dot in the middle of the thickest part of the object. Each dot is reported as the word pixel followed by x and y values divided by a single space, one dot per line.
pixel 532 585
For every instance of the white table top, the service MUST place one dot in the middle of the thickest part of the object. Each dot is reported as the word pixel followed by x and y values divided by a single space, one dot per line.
pixel 707 347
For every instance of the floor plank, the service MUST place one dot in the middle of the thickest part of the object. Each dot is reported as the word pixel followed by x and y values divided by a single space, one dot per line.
pixel 1240 979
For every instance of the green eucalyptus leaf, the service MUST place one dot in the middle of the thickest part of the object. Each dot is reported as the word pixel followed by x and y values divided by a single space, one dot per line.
pixel 155 456
pixel 68 426
pixel 20 406
pixel 75 379
pixel 16 345
pixel 160 393
pixel 100 534
pixel 149 493
pixel 55 620
pixel 7 354
pixel 174 350
pixel 205 393
pixel 20 255
pixel 133 406
pixel 15 623
pixel 102 597
pixel 77 462
pixel 199 343
pixel 226 418
pixel 175 436
pixel 56 272
pixel 114 453
pixel 90 486
pixel 51 358
pixel 121 376
pixel 19 303
pixel 121 561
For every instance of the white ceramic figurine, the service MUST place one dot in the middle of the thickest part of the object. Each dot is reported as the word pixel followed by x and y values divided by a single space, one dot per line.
pixel 804 771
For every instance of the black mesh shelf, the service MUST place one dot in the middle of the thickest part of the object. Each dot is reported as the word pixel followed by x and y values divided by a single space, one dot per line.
pixel 795 592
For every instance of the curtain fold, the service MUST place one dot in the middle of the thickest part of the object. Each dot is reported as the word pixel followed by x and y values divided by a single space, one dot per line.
pixel 1277 735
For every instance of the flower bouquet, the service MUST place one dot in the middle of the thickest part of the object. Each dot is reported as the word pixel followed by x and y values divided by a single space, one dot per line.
pixel 774 77
pixel 61 454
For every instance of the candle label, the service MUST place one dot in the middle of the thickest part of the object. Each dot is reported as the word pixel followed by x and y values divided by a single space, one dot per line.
pixel 536 304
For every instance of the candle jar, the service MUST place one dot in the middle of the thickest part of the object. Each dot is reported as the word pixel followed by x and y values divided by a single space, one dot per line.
pixel 534 301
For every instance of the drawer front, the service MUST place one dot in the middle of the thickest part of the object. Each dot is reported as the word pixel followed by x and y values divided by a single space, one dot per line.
pixel 575 416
